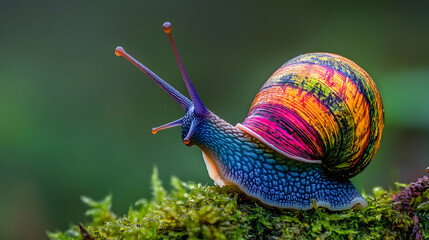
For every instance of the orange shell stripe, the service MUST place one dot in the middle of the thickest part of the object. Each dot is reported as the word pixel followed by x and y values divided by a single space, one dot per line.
pixel 320 106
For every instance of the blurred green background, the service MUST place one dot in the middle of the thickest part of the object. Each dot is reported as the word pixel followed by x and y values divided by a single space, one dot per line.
pixel 75 119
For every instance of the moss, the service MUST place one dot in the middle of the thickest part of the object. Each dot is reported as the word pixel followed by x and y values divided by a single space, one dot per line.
pixel 193 211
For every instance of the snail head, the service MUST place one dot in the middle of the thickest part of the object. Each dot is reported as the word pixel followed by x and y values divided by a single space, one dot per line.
pixel 195 109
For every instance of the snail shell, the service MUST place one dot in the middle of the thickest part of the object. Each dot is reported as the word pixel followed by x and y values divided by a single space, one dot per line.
pixel 320 108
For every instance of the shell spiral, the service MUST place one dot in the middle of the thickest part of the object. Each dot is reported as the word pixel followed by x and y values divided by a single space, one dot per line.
pixel 320 107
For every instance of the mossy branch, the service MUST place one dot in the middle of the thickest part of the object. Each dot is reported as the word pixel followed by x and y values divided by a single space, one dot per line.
pixel 193 211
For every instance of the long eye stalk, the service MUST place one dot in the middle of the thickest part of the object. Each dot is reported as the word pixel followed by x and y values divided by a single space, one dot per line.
pixel 195 102
pixel 199 107
pixel 176 95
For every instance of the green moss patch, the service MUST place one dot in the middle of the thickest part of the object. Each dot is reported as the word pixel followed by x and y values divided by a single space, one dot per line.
pixel 193 211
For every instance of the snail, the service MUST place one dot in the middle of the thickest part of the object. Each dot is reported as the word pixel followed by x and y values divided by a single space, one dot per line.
pixel 313 125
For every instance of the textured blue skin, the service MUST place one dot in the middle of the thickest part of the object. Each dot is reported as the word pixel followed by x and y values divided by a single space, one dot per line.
pixel 265 174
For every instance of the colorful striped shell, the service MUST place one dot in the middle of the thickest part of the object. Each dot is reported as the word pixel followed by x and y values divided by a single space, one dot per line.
pixel 320 108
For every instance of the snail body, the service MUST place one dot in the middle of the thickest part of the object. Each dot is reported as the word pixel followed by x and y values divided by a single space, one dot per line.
pixel 314 124
pixel 233 156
